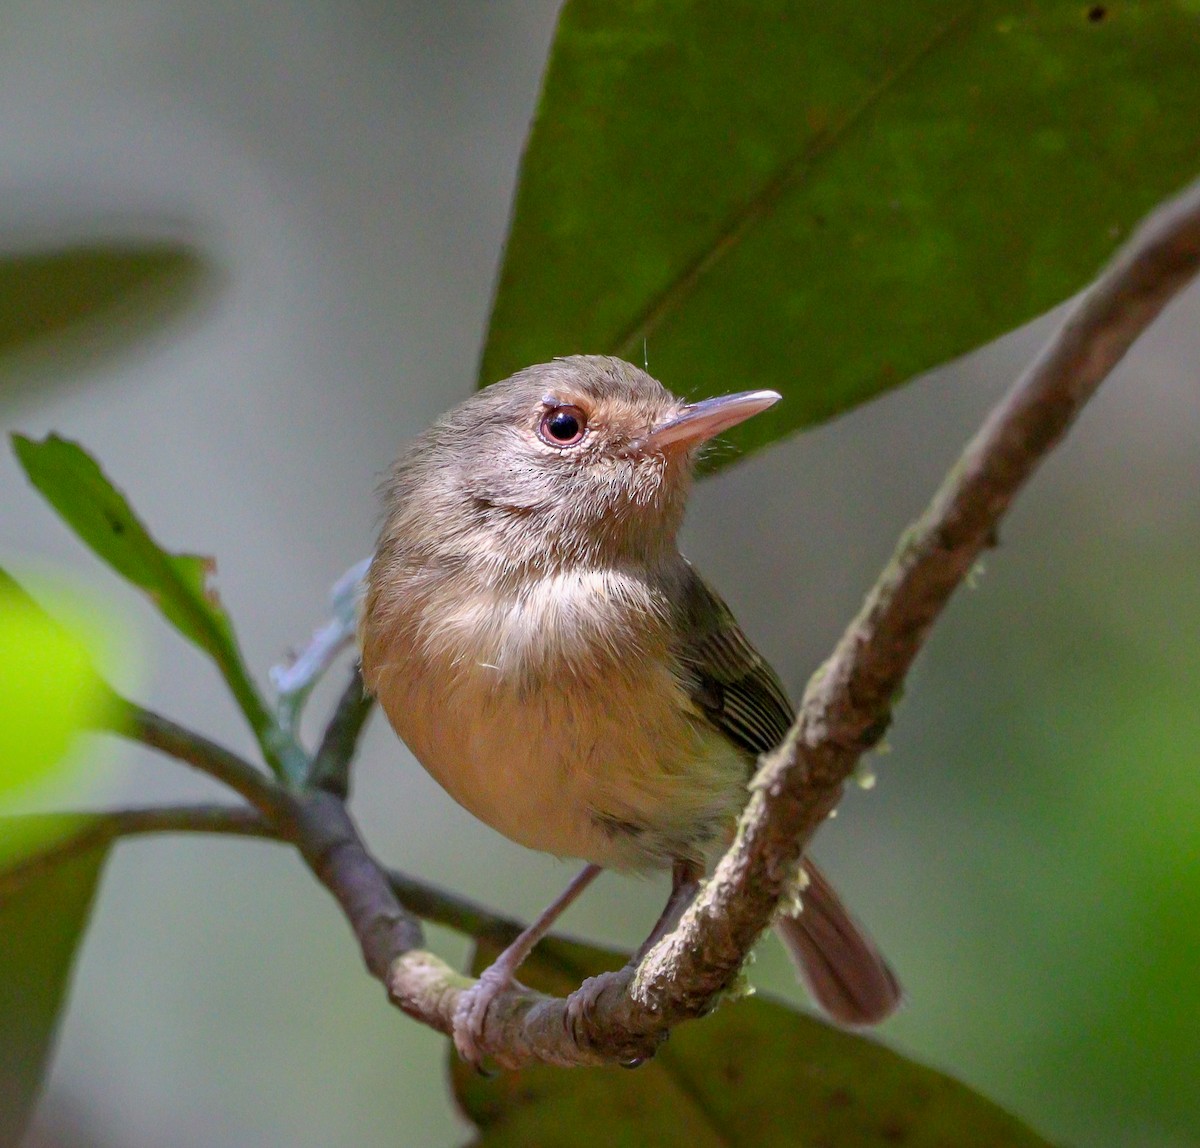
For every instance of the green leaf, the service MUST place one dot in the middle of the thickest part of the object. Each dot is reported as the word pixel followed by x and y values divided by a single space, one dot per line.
pixel 49 689
pixel 755 1073
pixel 827 199
pixel 102 296
pixel 42 920
pixel 75 486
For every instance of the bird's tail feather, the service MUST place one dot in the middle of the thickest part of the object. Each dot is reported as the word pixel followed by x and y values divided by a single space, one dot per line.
pixel 840 966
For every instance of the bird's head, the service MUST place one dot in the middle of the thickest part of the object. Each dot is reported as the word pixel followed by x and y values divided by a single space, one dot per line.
pixel 585 459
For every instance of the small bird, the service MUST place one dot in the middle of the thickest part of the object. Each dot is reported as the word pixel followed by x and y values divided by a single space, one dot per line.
pixel 536 638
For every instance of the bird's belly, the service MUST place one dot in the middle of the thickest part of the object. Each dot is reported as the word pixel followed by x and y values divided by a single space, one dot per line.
pixel 614 766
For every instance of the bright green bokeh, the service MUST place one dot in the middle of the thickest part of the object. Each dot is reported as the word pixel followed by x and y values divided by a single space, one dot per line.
pixel 49 690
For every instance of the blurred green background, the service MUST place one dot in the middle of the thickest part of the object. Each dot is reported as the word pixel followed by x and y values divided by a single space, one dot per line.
pixel 1029 858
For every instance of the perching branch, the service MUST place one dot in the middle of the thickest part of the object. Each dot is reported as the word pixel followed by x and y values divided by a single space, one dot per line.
pixel 848 704
pixel 329 842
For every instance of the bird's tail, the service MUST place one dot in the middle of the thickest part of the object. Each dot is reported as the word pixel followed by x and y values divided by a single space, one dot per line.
pixel 839 964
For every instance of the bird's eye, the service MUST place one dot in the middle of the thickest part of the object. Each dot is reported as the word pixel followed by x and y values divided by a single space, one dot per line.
pixel 562 426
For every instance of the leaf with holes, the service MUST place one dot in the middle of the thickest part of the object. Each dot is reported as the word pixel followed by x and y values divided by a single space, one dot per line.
pixel 826 199
pixel 754 1073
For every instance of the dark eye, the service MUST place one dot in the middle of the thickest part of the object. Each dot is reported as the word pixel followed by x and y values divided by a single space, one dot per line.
pixel 562 426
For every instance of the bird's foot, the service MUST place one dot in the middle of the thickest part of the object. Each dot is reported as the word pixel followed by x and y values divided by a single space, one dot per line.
pixel 582 1002
pixel 470 1014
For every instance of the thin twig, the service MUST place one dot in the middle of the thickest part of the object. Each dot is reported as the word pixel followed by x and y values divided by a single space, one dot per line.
pixel 67 835
pixel 140 724
pixel 848 704
pixel 331 766
pixel 454 912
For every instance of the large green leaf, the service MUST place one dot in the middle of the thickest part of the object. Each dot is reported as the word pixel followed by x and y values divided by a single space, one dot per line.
pixel 829 198
pixel 77 488
pixel 42 920
pixel 101 294
pixel 755 1073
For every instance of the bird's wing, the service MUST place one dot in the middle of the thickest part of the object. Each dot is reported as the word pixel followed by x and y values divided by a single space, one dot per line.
pixel 732 684
pixel 727 678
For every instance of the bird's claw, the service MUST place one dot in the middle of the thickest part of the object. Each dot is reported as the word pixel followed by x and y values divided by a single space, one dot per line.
pixel 582 1002
pixel 470 1014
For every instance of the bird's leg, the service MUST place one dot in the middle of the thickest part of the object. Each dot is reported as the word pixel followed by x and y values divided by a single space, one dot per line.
pixel 685 884
pixel 471 1011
